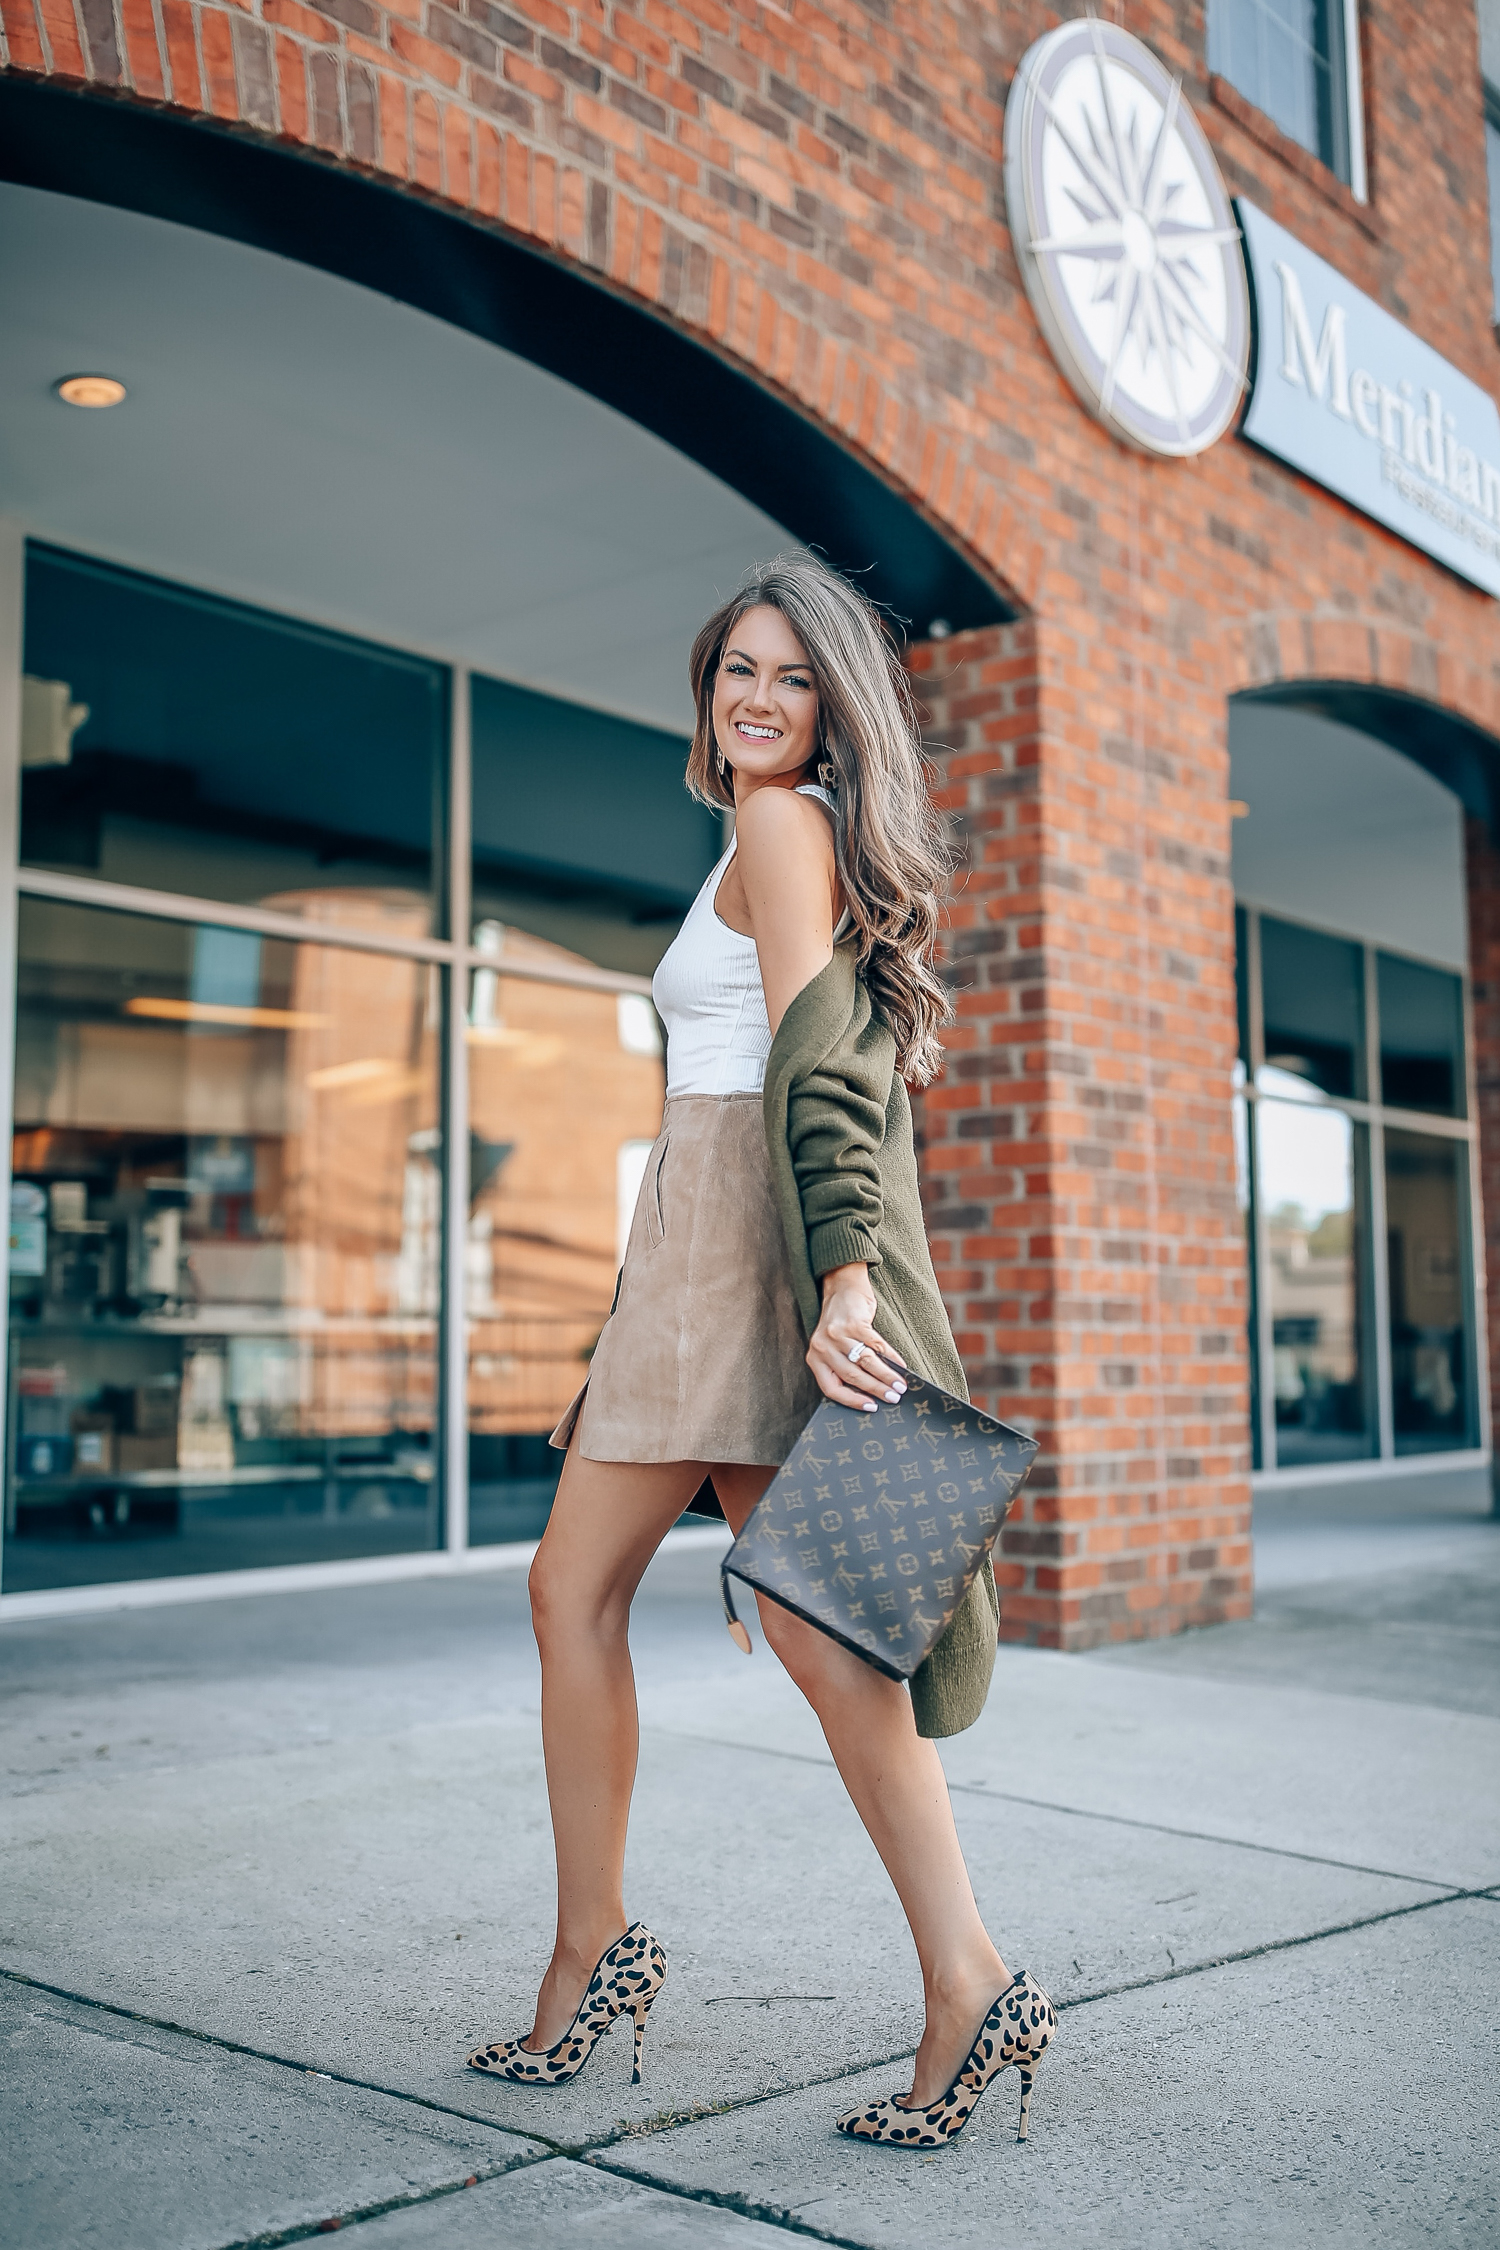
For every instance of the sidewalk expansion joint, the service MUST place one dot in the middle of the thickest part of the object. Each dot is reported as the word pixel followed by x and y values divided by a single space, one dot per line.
pixel 1273 1945
pixel 289 2062
pixel 744 2206
pixel 306 2229
pixel 1084 1812
pixel 545 2148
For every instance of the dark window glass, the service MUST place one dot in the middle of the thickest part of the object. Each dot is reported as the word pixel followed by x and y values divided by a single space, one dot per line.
pixel 1312 1004
pixel 1287 56
pixel 566 1090
pixel 1242 981
pixel 584 835
pixel 1426 1208
pixel 224 1251
pixel 1311 1167
pixel 1421 1037
pixel 226 753
pixel 1243 1118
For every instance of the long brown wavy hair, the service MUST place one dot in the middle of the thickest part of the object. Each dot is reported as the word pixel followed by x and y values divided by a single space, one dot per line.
pixel 892 855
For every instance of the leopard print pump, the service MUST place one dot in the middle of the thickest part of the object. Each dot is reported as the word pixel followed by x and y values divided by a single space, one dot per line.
pixel 1018 2029
pixel 626 1982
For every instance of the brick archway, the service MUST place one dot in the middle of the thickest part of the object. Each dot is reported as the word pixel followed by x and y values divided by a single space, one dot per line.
pixel 1284 647
pixel 1077 1153
pixel 797 440
pixel 1413 675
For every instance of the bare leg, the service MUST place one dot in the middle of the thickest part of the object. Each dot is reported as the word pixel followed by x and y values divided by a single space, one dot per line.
pixel 607 1522
pixel 900 1792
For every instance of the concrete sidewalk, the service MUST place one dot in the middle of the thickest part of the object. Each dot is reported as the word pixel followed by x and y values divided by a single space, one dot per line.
pixel 272 1866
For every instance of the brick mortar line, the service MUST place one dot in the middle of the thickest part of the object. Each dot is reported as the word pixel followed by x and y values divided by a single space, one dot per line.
pixel 588 2152
pixel 1082 1812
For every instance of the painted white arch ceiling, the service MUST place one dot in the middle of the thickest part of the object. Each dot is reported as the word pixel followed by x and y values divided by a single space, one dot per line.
pixel 295 440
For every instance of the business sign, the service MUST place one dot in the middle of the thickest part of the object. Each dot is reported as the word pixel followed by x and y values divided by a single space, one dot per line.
pixel 1357 402
pixel 1126 242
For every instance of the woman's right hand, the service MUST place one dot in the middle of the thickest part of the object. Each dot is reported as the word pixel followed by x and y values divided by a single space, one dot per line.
pixel 845 1325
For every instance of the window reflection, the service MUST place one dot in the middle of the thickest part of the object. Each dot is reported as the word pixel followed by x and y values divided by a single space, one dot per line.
pixel 181 743
pixel 566 1092
pixel 1312 1167
pixel 1421 1036
pixel 1426 1202
pixel 224 1250
pixel 1312 1001
pixel 609 880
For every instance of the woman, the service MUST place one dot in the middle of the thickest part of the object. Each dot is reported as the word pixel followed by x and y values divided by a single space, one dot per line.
pixel 776 1252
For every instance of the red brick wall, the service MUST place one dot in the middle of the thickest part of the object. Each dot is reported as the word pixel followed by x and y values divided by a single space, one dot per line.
pixel 1077 1154
pixel 816 192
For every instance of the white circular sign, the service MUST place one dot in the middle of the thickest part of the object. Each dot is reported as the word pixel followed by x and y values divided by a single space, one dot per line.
pixel 1126 240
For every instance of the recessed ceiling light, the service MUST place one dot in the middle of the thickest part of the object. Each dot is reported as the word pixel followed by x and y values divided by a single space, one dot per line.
pixel 90 390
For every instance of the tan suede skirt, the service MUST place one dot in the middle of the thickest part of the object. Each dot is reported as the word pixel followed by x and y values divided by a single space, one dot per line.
pixel 703 1357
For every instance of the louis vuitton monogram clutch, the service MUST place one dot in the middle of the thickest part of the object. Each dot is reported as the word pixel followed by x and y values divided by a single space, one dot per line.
pixel 877 1524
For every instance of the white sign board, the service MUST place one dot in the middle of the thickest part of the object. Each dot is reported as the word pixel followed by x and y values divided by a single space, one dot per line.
pixel 1354 400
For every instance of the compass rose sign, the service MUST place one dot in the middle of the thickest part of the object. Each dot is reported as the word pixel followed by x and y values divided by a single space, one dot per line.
pixel 1128 247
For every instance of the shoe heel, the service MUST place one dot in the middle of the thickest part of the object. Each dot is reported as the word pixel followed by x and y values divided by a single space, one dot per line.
pixel 1026 2078
pixel 640 2011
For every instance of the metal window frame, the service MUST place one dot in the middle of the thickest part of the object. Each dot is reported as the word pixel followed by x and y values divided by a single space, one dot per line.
pixel 12 626
pixel 452 957
pixel 453 1325
pixel 1492 185
pixel 1376 1116
pixel 1379 1285
pixel 1354 102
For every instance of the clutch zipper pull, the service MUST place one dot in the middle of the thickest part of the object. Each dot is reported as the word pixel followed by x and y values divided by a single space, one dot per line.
pixel 738 1633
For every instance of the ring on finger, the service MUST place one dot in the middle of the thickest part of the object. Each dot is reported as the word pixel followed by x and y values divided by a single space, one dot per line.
pixel 857 1353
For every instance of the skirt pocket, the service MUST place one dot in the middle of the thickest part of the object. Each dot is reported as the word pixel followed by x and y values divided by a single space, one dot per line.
pixel 656 1225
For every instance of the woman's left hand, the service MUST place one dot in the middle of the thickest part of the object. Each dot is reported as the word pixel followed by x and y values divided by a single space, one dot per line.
pixel 852 1362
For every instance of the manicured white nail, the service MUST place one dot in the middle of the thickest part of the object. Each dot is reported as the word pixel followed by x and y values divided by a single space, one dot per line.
pixel 894 1397
pixel 869 1405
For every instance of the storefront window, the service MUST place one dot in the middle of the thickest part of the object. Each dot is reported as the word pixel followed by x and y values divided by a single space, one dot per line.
pixel 1312 1167
pixel 1421 1037
pixel 1312 994
pixel 566 1090
pixel 583 832
pixel 1426 1208
pixel 179 743
pixel 224 1250
pixel 1353 1220
pixel 236 1274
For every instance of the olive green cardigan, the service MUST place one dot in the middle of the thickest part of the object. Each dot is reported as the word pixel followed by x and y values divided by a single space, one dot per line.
pixel 844 1167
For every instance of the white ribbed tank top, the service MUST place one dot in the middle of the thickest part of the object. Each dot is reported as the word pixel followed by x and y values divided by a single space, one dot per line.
pixel 709 995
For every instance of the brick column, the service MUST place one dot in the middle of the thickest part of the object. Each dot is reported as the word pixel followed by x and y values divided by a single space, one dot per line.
pixel 1077 1153
pixel 1483 877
